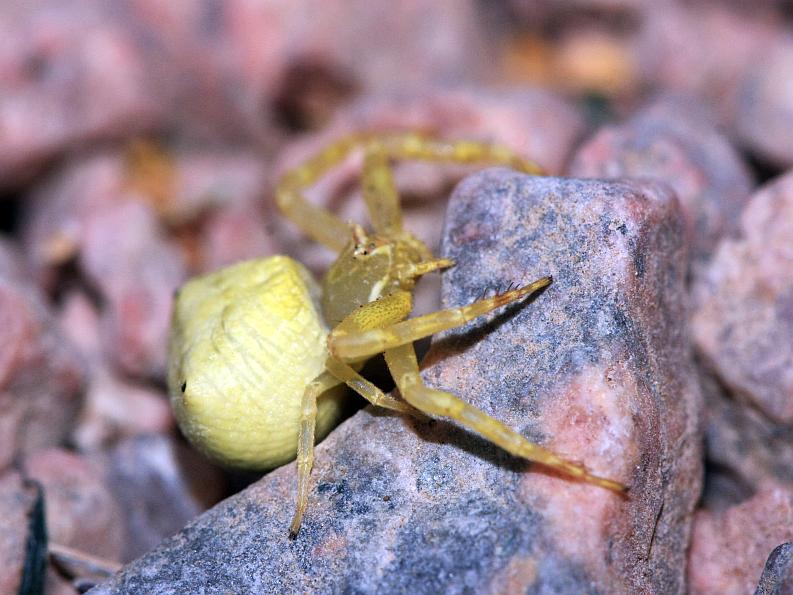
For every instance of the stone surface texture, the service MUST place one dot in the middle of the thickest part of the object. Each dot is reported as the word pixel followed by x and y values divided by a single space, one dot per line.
pixel 730 547
pixel 706 49
pixel 40 374
pixel 113 407
pixel 777 578
pixel 743 442
pixel 743 323
pixel 596 367
pixel 128 258
pixel 674 141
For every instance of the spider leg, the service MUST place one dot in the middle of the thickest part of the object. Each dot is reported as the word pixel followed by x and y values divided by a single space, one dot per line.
pixel 305 443
pixel 413 270
pixel 350 344
pixel 316 222
pixel 345 373
pixel 404 367
pixel 421 147
pixel 379 190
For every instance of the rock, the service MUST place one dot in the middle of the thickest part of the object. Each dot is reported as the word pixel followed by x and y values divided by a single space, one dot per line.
pixel 113 408
pixel 765 105
pixel 159 486
pixel 233 234
pixel 128 258
pixel 23 540
pixel 721 46
pixel 12 262
pixel 673 140
pixel 744 443
pixel 116 409
pixel 777 577
pixel 743 321
pixel 182 187
pixel 40 374
pixel 729 547
pixel 595 367
pixel 81 511
pixel 206 69
pixel 57 585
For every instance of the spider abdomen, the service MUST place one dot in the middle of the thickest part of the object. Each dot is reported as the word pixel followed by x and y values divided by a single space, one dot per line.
pixel 245 342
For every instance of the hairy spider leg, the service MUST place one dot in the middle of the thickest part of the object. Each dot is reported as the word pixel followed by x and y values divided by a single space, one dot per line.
pixel 379 190
pixel 351 342
pixel 405 369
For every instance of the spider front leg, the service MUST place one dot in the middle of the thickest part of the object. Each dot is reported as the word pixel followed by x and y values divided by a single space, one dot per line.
pixel 355 342
pixel 404 367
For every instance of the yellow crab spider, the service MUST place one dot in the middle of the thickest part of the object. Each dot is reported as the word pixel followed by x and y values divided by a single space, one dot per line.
pixel 258 352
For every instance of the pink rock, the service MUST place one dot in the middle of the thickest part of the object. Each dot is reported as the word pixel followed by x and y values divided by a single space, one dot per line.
pixel 765 105
pixel 56 210
pixel 237 232
pixel 115 409
pixel 57 585
pixel 730 547
pixel 12 262
pixel 704 49
pixel 40 374
pixel 81 511
pixel 128 258
pixel 76 72
pixel 744 447
pixel 18 551
pixel 674 140
pixel 743 322
pixel 182 187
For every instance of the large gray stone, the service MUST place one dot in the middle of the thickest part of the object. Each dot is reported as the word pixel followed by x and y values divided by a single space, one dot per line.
pixel 596 367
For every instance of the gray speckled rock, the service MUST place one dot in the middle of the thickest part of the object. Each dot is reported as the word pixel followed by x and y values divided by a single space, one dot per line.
pixel 595 367
pixel 674 140
pixel 777 578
